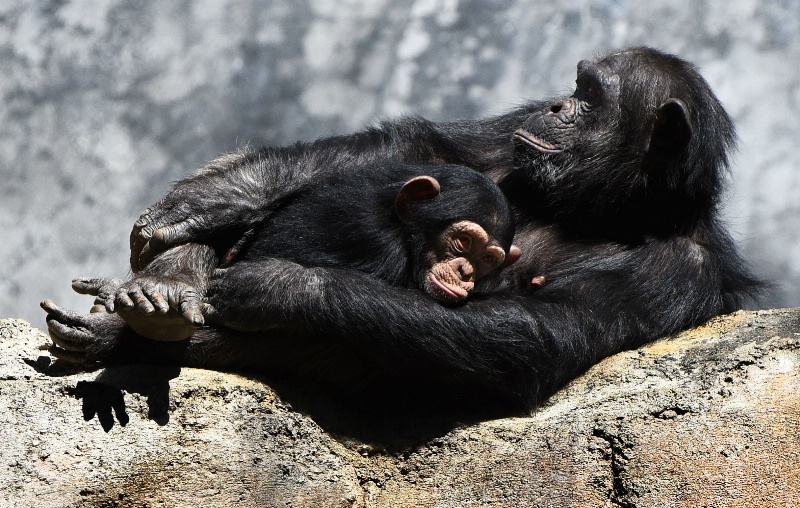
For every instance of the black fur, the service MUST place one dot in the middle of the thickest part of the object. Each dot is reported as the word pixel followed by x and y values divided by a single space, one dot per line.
pixel 622 222
pixel 347 219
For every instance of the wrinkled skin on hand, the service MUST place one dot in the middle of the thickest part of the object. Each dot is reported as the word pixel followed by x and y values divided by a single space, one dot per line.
pixel 154 233
pixel 180 217
pixel 161 308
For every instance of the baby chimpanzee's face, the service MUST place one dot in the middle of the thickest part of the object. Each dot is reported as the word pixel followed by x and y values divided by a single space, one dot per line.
pixel 450 259
pixel 461 254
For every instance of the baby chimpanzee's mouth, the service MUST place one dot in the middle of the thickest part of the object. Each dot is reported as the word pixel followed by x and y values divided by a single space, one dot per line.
pixel 537 143
pixel 444 291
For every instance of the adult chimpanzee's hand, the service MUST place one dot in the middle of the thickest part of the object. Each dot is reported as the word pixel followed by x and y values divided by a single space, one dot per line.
pixel 225 195
pixel 186 214
pixel 229 194
pixel 170 222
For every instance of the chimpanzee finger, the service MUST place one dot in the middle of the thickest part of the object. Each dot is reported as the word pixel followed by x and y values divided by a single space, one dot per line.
pixel 66 327
pixel 144 219
pixel 140 302
pixel 67 337
pixel 123 301
pixel 108 302
pixel 142 222
pixel 137 242
pixel 153 216
pixel 86 286
pixel 210 313
pixel 93 285
pixel 144 227
pixel 190 307
pixel 164 238
pixel 60 313
pixel 156 299
pixel 71 357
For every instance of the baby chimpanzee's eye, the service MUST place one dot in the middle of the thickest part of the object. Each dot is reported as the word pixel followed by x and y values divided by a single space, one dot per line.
pixel 462 243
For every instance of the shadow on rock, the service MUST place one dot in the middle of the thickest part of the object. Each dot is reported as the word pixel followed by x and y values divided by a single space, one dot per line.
pixel 105 396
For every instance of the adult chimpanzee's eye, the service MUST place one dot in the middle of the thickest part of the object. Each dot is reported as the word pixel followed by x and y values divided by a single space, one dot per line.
pixel 462 243
pixel 588 89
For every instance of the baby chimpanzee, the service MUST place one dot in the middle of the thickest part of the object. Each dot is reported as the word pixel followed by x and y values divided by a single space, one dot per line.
pixel 436 228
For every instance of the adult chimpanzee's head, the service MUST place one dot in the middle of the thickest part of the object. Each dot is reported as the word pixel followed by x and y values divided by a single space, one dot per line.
pixel 639 148
pixel 459 226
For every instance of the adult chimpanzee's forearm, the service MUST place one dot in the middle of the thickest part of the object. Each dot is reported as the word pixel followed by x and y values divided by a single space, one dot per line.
pixel 500 344
pixel 526 344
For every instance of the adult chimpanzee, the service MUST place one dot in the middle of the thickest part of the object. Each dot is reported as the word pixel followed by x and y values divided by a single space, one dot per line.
pixel 615 191
pixel 439 228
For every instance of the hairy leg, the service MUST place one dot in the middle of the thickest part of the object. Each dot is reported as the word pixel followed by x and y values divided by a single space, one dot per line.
pixel 101 337
pixel 96 338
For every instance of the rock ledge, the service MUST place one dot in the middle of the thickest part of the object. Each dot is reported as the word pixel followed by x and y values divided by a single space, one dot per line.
pixel 707 418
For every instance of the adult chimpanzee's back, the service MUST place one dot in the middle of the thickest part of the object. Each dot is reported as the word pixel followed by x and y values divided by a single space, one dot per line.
pixel 615 190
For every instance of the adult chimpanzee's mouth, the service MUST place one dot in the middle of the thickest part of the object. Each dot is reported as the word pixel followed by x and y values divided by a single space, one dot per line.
pixel 537 143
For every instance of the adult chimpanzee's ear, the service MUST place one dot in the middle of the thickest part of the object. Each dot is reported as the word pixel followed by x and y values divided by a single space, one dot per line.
pixel 671 128
pixel 418 188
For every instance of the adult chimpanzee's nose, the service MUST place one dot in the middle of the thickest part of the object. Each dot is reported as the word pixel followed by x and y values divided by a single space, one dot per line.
pixel 565 107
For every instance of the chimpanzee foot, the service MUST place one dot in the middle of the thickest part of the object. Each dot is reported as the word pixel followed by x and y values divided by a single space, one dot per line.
pixel 158 308
pixel 103 288
pixel 80 338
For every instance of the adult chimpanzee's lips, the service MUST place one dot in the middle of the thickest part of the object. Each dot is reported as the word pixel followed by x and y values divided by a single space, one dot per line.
pixel 537 143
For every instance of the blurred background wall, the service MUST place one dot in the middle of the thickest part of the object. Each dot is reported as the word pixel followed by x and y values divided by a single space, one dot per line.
pixel 105 103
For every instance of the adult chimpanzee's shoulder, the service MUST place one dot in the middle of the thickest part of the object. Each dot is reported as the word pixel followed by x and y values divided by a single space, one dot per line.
pixel 635 157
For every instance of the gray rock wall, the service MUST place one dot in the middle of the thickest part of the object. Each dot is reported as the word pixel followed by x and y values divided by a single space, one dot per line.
pixel 105 103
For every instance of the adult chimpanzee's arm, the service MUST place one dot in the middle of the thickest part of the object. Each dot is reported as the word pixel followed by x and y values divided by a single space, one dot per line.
pixel 522 345
pixel 335 325
pixel 509 345
pixel 226 197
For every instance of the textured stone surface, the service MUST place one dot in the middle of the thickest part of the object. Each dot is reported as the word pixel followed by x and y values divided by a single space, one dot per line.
pixel 707 418
pixel 105 103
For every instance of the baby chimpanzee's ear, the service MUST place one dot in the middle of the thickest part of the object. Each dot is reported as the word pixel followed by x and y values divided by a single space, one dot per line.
pixel 514 254
pixel 419 188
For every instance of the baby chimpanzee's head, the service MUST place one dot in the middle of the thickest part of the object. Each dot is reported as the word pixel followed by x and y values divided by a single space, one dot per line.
pixel 461 229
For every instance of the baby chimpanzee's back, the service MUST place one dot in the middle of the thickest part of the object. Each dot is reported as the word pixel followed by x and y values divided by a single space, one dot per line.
pixel 437 228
